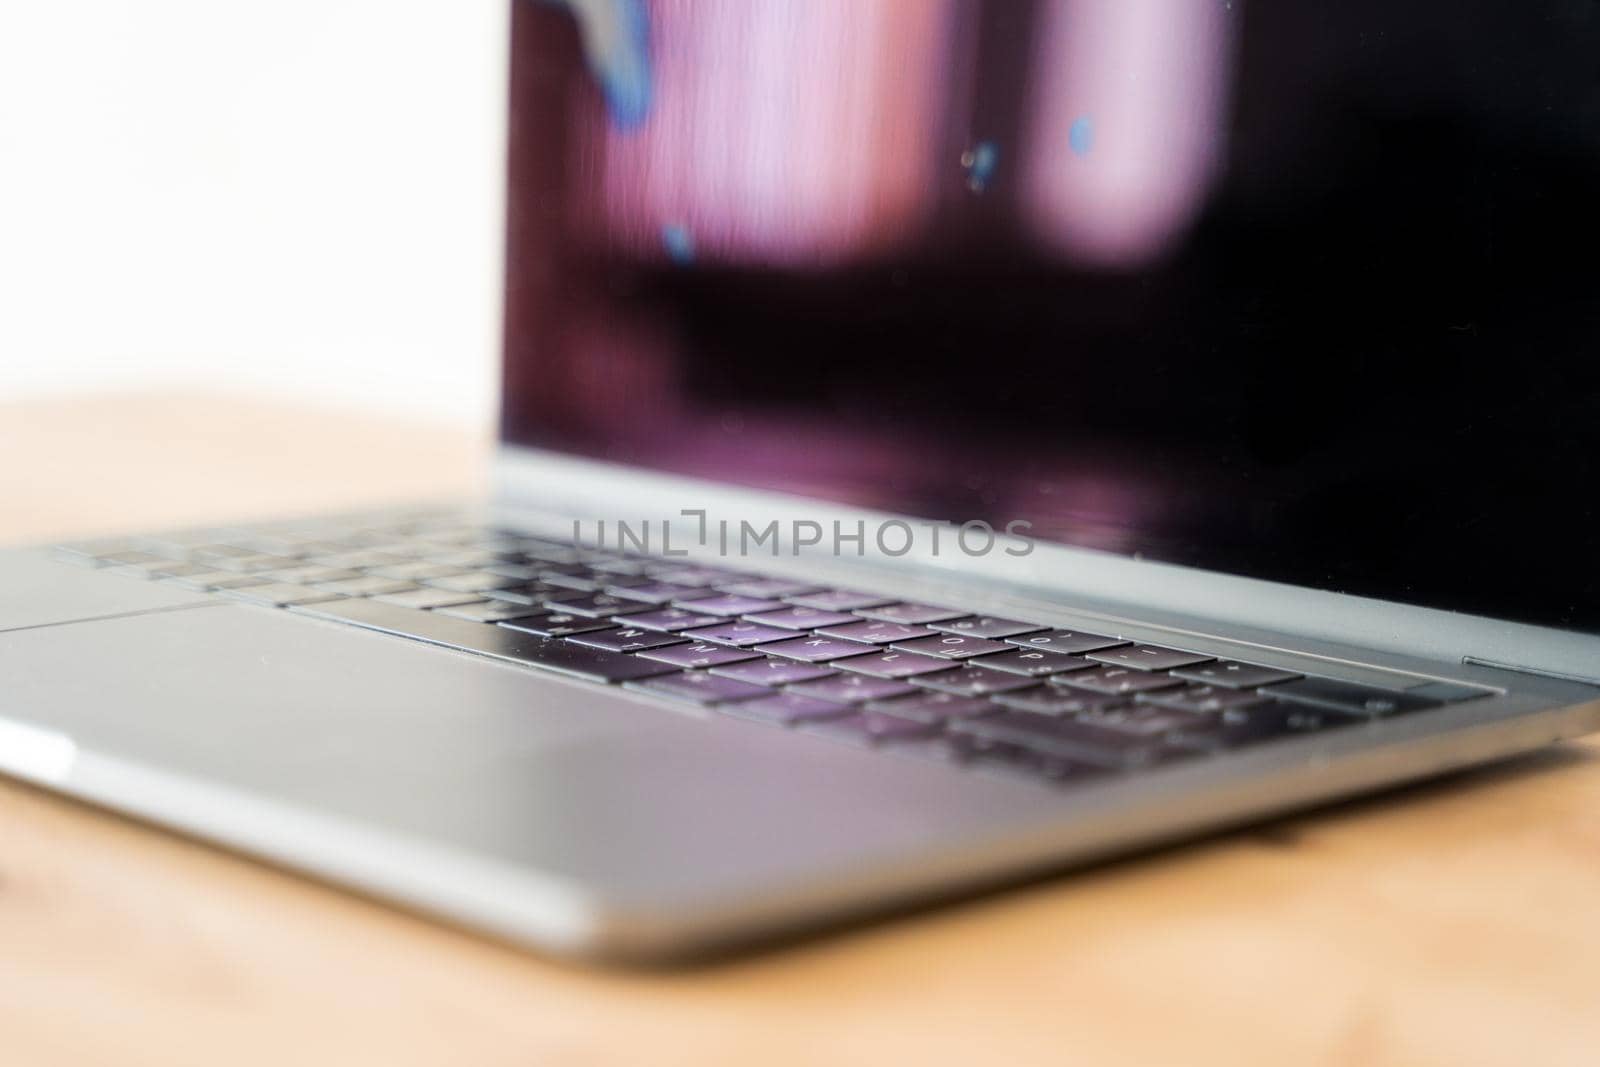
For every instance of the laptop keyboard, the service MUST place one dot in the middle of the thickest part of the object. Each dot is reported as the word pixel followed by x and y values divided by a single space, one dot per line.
pixel 926 681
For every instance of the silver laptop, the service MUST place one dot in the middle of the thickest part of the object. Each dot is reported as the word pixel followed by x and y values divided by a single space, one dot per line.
pixel 943 443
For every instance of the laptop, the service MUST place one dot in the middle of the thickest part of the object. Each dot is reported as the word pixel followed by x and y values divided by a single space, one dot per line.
pixel 943 443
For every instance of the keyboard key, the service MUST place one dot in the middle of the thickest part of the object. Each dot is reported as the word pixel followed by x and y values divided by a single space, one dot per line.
pixel 739 634
pixel 625 567
pixel 306 575
pixel 700 654
pixel 869 728
pixel 985 755
pixel 1235 675
pixel 322 552
pixel 1140 720
pixel 659 592
pixel 163 567
pixel 1050 700
pixel 134 559
pixel 436 537
pixel 934 707
pixel 1148 657
pixel 278 594
pixel 698 687
pixel 814 649
pixel 173 569
pixel 786 709
pixel 578 578
pixel 568 567
pixel 557 624
pixel 838 600
pixel 358 560
pixel 1202 699
pixel 874 633
pixel 533 593
pixel 952 646
pixel 973 681
pixel 266 555
pixel 467 557
pixel 1270 721
pixel 219 580
pixel 1072 642
pixel 985 626
pixel 724 604
pixel 221 551
pixel 252 564
pixel 520 572
pixel 1349 697
pixel 909 613
pixel 489 611
pixel 767 588
pixel 1075 739
pixel 627 639
pixel 547 551
pixel 851 688
pixel 502 641
pixel 681 574
pixel 794 618
pixel 673 619
pixel 1116 680
pixel 1448 692
pixel 773 671
pixel 413 572
pixel 472 581
pixel 893 664
pixel 427 598
pixel 616 583
pixel 365 586
pixel 1034 664
pixel 602 606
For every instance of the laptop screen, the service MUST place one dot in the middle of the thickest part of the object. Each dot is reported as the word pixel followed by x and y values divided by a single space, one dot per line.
pixel 1299 290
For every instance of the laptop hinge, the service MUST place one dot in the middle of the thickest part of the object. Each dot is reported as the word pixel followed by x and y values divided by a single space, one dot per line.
pixel 1478 661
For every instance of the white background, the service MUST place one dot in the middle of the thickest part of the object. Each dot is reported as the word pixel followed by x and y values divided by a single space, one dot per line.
pixel 294 197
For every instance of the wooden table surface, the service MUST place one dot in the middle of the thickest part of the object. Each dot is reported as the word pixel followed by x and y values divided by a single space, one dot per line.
pixel 1455 923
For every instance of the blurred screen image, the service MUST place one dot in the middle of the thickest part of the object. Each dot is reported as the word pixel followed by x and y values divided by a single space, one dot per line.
pixel 1286 289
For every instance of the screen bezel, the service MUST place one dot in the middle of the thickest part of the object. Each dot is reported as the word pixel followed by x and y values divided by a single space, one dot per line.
pixel 1102 583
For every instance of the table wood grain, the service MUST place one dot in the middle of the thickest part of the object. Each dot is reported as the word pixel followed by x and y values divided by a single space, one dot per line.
pixel 1455 923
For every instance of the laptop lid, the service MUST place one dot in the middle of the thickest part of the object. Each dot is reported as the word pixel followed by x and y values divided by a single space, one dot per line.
pixel 1288 291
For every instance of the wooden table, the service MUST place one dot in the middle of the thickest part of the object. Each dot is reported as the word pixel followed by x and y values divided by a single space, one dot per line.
pixel 1456 923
